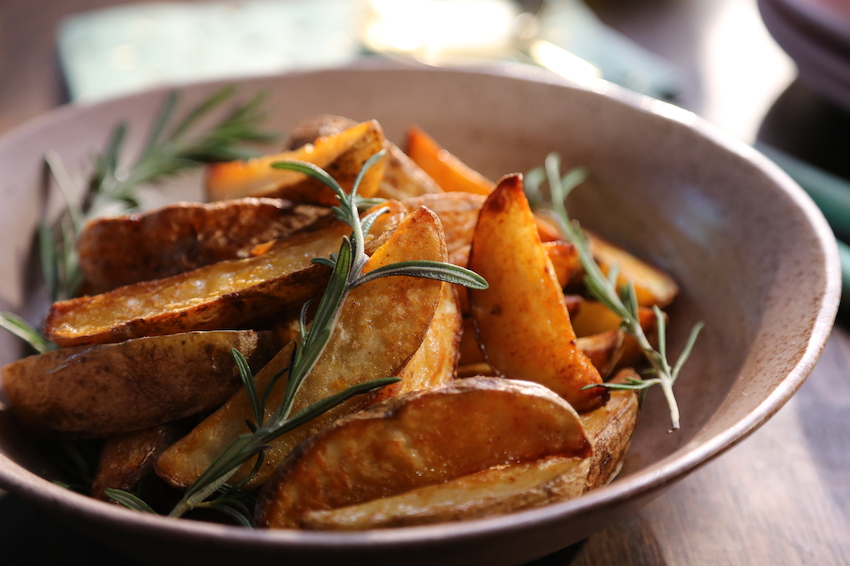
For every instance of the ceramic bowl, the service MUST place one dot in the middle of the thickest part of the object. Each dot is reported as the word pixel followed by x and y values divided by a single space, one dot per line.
pixel 755 259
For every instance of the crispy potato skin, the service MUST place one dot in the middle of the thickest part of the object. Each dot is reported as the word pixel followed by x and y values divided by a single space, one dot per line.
pixel 521 320
pixel 603 350
pixel 610 428
pixel 127 458
pixel 105 390
pixel 420 439
pixel 492 492
pixel 228 294
pixel 381 325
pixel 183 236
pixel 342 156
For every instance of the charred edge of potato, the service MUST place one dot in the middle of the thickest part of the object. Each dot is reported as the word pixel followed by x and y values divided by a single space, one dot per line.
pixel 321 473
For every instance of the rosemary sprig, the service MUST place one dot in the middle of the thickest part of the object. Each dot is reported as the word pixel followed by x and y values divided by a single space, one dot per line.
pixel 347 274
pixel 623 302
pixel 26 332
pixel 170 148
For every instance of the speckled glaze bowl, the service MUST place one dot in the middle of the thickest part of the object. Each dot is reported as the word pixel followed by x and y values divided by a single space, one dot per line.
pixel 755 259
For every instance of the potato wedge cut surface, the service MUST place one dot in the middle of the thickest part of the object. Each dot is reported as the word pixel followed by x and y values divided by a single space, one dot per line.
pixel 495 491
pixel 521 319
pixel 342 156
pixel 435 362
pixel 421 439
pixel 228 294
pixel 105 390
pixel 183 236
pixel 381 325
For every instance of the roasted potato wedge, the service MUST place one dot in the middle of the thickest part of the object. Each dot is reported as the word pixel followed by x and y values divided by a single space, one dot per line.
pixel 341 155
pixel 521 319
pixel 652 286
pixel 381 326
pixel 420 439
pixel 610 428
pixel 447 170
pixel 458 213
pixel 183 236
pixel 402 177
pixel 595 318
pixel 492 492
pixel 105 390
pixel 127 458
pixel 565 261
pixel 227 294
pixel 603 350
pixel 435 361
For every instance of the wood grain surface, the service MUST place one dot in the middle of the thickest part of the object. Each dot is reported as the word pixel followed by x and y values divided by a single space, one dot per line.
pixel 782 497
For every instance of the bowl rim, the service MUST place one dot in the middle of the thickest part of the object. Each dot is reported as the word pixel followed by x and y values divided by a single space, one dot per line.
pixel 653 478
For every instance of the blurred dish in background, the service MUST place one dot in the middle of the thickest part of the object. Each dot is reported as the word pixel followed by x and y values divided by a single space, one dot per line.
pixel 118 50
pixel 816 34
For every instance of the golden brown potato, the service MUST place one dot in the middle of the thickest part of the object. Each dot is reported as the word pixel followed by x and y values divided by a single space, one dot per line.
pixel 603 350
pixel 447 170
pixel 420 439
pixel 595 318
pixel 228 294
pixel 105 390
pixel 402 177
pixel 521 319
pixel 381 325
pixel 342 156
pixel 127 458
pixel 652 286
pixel 435 362
pixel 610 428
pixel 565 262
pixel 458 213
pixel 183 236
pixel 492 492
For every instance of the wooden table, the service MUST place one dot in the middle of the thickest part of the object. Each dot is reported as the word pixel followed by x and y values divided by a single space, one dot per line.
pixel 780 497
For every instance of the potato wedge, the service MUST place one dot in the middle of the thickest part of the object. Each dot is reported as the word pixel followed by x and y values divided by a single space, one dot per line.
pixel 183 236
pixel 106 390
pixel 565 261
pixel 228 294
pixel 458 214
pixel 610 428
pixel 447 170
pixel 127 458
pixel 381 326
pixel 420 439
pixel 603 350
pixel 435 362
pixel 652 286
pixel 521 320
pixel 492 492
pixel 402 177
pixel 341 155
pixel 595 319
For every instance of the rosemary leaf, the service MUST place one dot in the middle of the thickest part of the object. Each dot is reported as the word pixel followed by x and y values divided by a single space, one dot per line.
pixel 128 500
pixel 23 330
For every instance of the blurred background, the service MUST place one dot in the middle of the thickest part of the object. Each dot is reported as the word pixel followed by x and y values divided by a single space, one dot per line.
pixel 775 73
